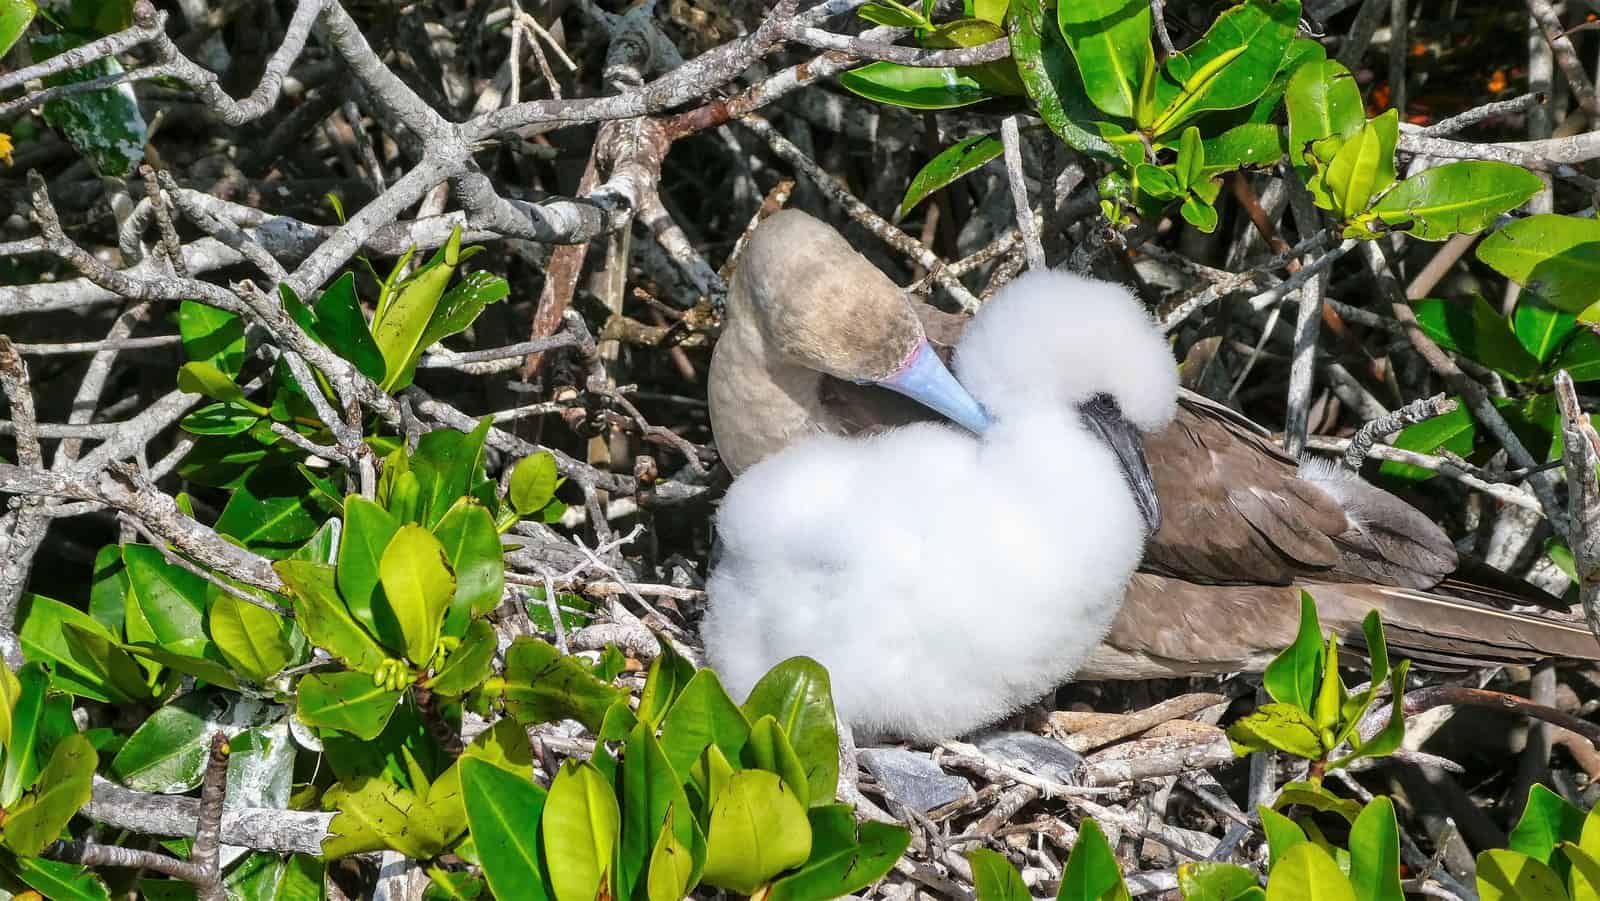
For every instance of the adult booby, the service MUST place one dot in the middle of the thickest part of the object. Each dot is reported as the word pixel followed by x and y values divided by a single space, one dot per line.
pixel 814 334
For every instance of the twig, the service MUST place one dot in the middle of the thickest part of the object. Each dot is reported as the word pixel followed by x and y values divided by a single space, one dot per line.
pixel 1408 415
pixel 1581 455
pixel 1026 224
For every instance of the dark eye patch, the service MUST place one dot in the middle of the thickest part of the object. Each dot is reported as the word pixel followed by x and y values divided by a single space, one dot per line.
pixel 1105 403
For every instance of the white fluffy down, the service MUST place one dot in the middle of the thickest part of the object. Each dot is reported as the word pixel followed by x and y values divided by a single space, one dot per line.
pixel 945 580
pixel 1063 336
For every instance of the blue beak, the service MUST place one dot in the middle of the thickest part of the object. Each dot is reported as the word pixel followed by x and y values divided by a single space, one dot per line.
pixel 925 380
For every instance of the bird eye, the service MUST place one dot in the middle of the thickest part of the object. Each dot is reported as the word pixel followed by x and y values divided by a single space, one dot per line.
pixel 1106 404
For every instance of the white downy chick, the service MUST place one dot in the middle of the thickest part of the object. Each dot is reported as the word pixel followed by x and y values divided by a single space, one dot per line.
pixel 946 579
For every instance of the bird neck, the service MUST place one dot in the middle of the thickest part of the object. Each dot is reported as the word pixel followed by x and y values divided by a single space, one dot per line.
pixel 760 401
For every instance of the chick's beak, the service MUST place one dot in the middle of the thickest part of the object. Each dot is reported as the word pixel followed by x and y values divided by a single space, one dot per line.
pixel 924 378
pixel 1125 443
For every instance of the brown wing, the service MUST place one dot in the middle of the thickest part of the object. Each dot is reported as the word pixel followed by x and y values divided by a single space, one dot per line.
pixel 1168 627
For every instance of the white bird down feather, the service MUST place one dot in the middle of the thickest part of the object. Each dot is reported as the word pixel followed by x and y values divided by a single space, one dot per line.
pixel 946 579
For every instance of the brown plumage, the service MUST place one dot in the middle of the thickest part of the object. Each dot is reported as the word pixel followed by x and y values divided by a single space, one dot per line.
pixel 1243 530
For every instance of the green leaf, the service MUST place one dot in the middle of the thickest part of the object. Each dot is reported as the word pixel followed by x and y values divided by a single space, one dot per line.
pixel 1308 873
pixel 580 828
pixel 533 482
pixel 1110 40
pixel 469 664
pixel 64 786
pixel 210 335
pixel 1282 833
pixel 1251 145
pixel 419 586
pixel 105 125
pixel 1092 871
pixel 669 673
pixel 845 858
pixel 543 686
pixel 322 615
pixel 1191 159
pixel 995 878
pixel 768 749
pixel 252 639
pixel 651 790
pixel 1200 214
pixel 1282 727
pixel 1393 732
pixel 341 326
pixel 1585 875
pixel 894 15
pixel 368 529
pixel 964 156
pixel 758 830
pixel 1547 820
pixel 1231 66
pixel 348 702
pixel 269 517
pixel 56 880
pixel 1324 101
pixel 1557 257
pixel 1209 881
pixel 672 866
pixel 462 304
pixel 398 326
pixel 1542 329
pixel 1459 198
pixel 84 659
pixel 1157 181
pixel 1292 676
pixel 1505 875
pixel 1479 332
pixel 1364 166
pixel 704 715
pixel 1051 79
pixel 376 812
pixel 798 695
pixel 25 721
pixel 472 550
pixel 219 419
pixel 166 602
pixel 14 18
pixel 914 87
pixel 167 753
pixel 208 380
pixel 503 815
pixel 1375 853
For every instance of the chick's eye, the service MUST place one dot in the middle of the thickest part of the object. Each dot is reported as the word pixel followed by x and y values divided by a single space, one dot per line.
pixel 1105 403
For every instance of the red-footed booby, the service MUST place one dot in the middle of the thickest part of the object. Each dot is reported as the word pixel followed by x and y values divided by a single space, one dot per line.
pixel 814 334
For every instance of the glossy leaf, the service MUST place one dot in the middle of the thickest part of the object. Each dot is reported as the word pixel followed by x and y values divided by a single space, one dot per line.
pixel 167 753
pixel 462 303
pixel 533 482
pixel 1248 146
pixel 1375 853
pixel 894 15
pixel 1308 873
pixel 1282 727
pixel 1547 820
pixel 1092 871
pixel 206 379
pixel 252 639
pixel 914 87
pixel 580 829
pixel 798 695
pixel 1052 81
pixel 348 702
pixel 105 126
pixel 1557 257
pixel 1506 875
pixel 1282 833
pixel 543 686
pixel 322 615
pixel 995 878
pixel 368 529
pixel 952 163
pixel 398 326
pixel 210 335
pixel 269 517
pixel 1460 198
pixel 758 829
pixel 219 419
pixel 472 550
pixel 1585 876
pixel 377 812
pixel 669 673
pixel 1323 101
pixel 1478 331
pixel 65 785
pixel 1363 166
pixel 651 790
pixel 166 602
pixel 1394 731
pixel 768 749
pixel 1541 328
pixel 704 715
pixel 1210 881
pixel 845 858
pixel 1110 40
pixel 1292 676
pixel 1231 66
pixel 419 586
pixel 56 880
pixel 75 667
pixel 445 464
pixel 342 327
pixel 503 814
pixel 469 664
pixel 671 867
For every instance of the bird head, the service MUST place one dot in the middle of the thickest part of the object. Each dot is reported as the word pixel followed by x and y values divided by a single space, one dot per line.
pixel 1063 338
pixel 826 308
